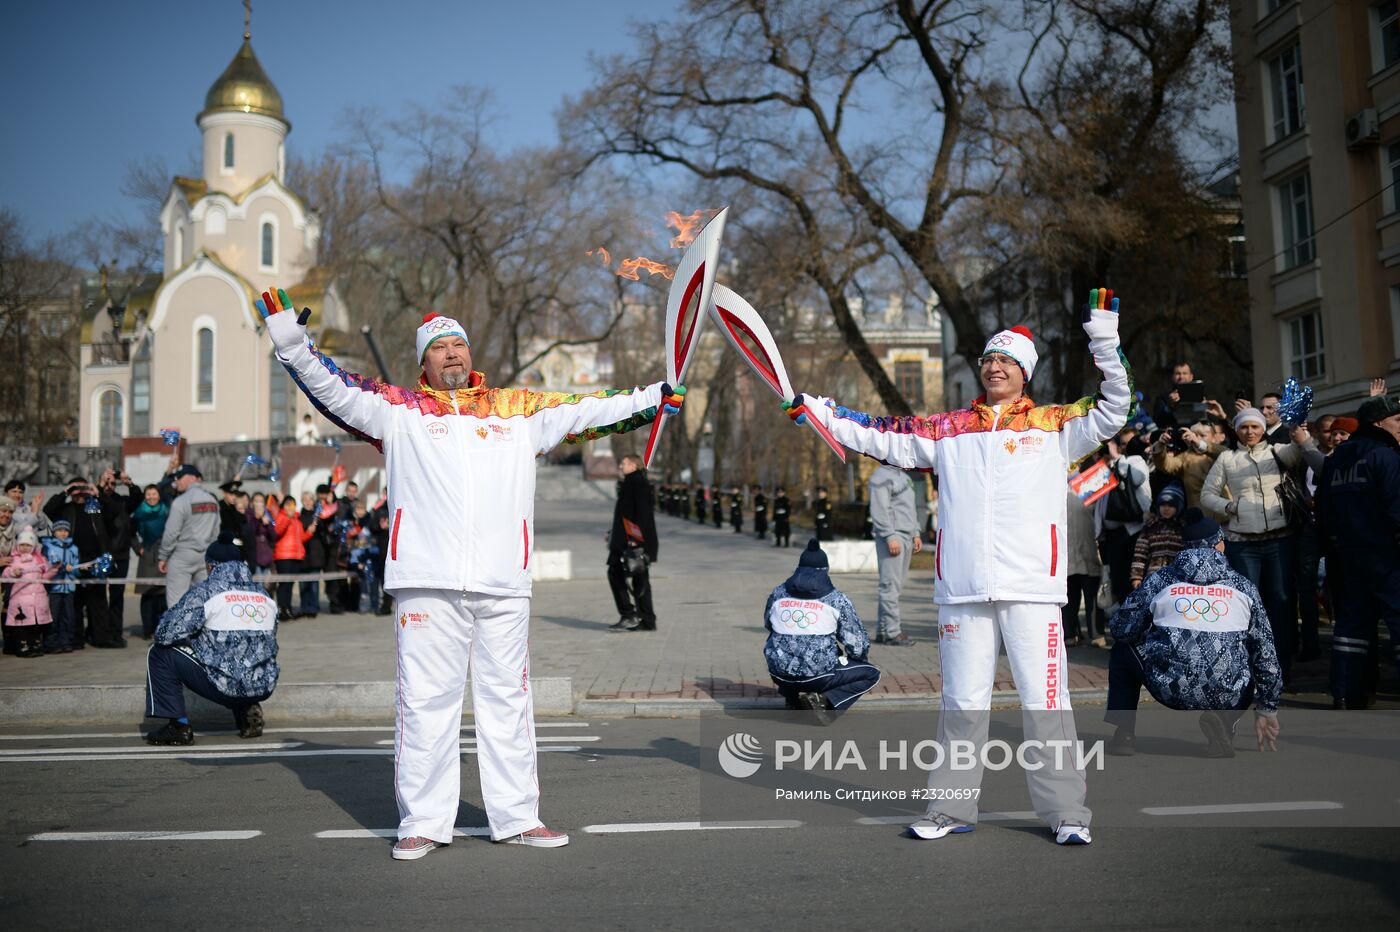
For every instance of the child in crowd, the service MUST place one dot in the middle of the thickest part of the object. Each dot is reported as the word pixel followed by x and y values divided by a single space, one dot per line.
pixel 28 616
pixel 363 560
pixel 62 552
pixel 816 646
pixel 1160 540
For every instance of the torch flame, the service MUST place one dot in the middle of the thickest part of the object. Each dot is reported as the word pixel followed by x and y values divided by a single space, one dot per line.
pixel 632 268
pixel 687 227
pixel 602 253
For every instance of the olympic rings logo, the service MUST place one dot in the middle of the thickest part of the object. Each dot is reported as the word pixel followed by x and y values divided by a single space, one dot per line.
pixel 1000 339
pixel 1201 609
pixel 796 617
pixel 438 325
pixel 254 613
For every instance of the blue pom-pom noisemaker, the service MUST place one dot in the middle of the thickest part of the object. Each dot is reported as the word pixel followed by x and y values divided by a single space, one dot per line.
pixel 1295 402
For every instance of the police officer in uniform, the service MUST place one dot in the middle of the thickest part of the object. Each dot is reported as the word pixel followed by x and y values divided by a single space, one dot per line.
pixel 821 511
pixel 716 507
pixel 760 513
pixel 700 504
pixel 736 510
pixel 782 529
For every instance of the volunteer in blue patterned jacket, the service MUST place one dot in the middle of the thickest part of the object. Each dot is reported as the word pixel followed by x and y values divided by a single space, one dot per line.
pixel 1198 638
pixel 816 645
pixel 220 640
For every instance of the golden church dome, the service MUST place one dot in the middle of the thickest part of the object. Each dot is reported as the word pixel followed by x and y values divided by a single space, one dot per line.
pixel 244 88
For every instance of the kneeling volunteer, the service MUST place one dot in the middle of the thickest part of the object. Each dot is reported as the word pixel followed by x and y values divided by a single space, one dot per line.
pixel 1198 638
pixel 220 640
pixel 816 645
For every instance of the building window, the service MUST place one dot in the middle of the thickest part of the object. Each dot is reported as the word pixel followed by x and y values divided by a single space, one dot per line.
pixel 141 390
pixel 1295 206
pixel 1306 357
pixel 281 402
pixel 267 248
pixel 1286 84
pixel 1388 31
pixel 179 254
pixel 204 376
pixel 109 417
pixel 228 152
pixel 215 222
pixel 909 379
pixel 1391 180
pixel 1271 5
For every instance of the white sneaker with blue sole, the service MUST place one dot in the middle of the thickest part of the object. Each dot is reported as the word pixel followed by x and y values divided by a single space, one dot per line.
pixel 1072 833
pixel 937 826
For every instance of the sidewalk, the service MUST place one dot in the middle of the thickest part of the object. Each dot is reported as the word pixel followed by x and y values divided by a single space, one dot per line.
pixel 709 590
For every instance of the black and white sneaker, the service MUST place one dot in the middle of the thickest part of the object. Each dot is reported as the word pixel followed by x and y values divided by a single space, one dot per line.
pixel 249 721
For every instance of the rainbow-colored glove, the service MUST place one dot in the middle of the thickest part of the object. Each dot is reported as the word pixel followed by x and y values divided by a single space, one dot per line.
pixel 796 408
pixel 1100 315
pixel 288 330
pixel 672 398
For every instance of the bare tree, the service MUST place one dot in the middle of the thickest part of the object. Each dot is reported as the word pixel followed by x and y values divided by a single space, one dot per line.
pixel 424 215
pixel 38 326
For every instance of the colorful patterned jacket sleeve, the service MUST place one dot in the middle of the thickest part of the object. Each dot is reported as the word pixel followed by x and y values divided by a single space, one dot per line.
pixel 578 418
pixel 849 629
pixel 352 402
pixel 906 442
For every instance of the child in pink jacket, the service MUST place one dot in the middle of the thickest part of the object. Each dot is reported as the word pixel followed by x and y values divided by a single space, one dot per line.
pixel 28 617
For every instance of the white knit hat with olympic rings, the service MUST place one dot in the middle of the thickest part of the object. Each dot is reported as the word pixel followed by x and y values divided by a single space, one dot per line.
pixel 1016 343
pixel 434 326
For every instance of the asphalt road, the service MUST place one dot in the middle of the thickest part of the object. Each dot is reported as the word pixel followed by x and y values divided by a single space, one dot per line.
pixel 288 837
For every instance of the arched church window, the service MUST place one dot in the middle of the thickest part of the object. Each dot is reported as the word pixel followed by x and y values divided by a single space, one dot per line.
pixel 228 150
pixel 204 377
pixel 268 251
pixel 109 423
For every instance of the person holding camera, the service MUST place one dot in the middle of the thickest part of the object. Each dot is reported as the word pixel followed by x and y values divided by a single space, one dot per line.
pixel 118 506
pixel 1187 456
pixel 78 504
pixel 632 547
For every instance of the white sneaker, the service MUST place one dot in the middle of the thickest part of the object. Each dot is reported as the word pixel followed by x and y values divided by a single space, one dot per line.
pixel 411 849
pixel 1072 833
pixel 538 838
pixel 936 827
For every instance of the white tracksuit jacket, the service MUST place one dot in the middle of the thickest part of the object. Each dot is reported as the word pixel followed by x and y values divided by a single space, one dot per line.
pixel 1001 476
pixel 460 463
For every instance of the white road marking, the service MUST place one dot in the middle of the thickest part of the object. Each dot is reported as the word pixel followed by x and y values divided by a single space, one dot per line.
pixel 628 827
pixel 314 730
pixel 1013 816
pixel 196 754
pixel 144 836
pixel 474 831
pixel 390 741
pixel 1229 808
pixel 150 749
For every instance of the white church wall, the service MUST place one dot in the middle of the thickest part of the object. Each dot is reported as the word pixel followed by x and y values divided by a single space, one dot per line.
pixel 257 140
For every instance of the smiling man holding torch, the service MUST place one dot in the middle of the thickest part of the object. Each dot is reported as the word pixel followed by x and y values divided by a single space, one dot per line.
pixel 999 573
pixel 460 467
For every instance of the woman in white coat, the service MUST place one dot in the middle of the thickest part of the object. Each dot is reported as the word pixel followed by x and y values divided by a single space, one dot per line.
pixel 1243 488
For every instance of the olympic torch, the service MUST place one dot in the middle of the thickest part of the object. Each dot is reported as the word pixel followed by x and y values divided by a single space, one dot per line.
pixel 687 306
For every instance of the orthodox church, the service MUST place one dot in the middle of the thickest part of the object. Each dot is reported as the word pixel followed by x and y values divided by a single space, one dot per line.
pixel 188 351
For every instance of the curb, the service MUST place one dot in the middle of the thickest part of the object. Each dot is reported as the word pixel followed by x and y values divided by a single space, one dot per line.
pixel 374 701
pixel 694 708
pixel 308 702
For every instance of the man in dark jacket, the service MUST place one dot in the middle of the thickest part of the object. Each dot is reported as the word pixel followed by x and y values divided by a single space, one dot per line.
pixel 782 518
pixel 78 504
pixel 736 510
pixel 117 507
pixel 632 545
pixel 1358 509
pixel 821 515
pixel 760 513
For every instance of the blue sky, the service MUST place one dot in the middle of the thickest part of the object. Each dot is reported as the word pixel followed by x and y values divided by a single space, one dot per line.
pixel 92 86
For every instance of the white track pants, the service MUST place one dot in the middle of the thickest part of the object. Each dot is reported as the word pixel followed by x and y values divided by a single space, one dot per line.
pixel 969 636
pixel 439 633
